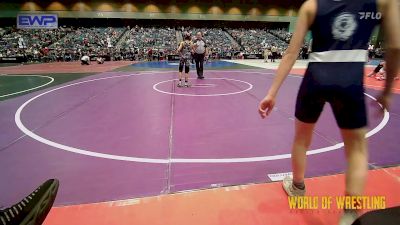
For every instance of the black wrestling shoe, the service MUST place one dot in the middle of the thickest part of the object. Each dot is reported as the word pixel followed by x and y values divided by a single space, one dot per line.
pixel 387 216
pixel 200 77
pixel 33 209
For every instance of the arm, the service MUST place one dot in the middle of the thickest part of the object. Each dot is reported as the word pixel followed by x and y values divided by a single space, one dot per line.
pixel 391 20
pixel 194 46
pixel 180 47
pixel 206 50
pixel 306 18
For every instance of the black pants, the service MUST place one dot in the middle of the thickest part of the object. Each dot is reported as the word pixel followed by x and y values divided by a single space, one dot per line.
pixel 274 56
pixel 199 59
pixel 378 68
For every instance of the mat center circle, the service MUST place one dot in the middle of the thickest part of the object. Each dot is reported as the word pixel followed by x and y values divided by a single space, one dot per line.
pixel 209 87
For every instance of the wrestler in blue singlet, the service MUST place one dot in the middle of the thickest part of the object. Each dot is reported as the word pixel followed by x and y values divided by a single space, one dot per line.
pixel 341 32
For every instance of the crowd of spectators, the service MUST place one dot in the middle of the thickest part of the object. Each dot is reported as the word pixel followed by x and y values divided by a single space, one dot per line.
pixel 31 43
pixel 91 37
pixel 282 34
pixel 149 42
pixel 139 43
pixel 87 41
pixel 62 44
pixel 218 43
pixel 4 30
pixel 255 41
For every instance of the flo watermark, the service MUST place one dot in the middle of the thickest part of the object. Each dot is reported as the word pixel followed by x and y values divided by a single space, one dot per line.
pixel 370 15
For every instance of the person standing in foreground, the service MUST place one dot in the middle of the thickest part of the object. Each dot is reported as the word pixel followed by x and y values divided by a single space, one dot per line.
pixel 341 31
pixel 184 51
pixel 200 52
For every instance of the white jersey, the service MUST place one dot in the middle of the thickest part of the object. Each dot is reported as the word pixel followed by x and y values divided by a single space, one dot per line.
pixel 201 46
pixel 21 43
pixel 85 58
pixel 109 44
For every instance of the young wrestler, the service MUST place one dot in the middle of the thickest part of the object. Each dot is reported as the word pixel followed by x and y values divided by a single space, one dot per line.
pixel 380 72
pixel 341 31
pixel 376 70
pixel 184 51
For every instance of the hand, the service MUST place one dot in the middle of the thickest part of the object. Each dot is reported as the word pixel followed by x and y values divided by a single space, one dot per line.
pixel 384 100
pixel 266 106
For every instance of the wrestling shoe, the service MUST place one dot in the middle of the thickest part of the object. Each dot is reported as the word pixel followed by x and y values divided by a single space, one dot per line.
pixel 290 189
pixel 33 209
pixel 348 218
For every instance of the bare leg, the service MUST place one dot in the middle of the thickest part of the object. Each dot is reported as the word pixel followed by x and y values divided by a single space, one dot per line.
pixel 187 80
pixel 355 146
pixel 356 152
pixel 302 141
pixel 180 82
pixel 303 134
pixel 180 76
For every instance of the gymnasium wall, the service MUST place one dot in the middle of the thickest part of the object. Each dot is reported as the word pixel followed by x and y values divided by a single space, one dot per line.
pixel 229 10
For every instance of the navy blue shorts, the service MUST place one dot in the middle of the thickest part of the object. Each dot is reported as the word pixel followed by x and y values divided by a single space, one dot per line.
pixel 339 85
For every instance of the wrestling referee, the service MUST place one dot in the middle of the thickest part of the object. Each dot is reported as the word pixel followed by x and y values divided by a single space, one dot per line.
pixel 200 52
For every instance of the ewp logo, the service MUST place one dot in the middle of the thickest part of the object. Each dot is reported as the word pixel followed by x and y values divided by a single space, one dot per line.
pixel 370 15
pixel 37 21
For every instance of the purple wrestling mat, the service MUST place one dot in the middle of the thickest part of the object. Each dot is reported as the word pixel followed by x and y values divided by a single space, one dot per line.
pixel 116 136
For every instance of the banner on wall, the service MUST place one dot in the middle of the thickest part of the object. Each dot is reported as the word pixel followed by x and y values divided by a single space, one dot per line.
pixel 11 59
pixel 37 21
pixel 253 56
pixel 173 58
